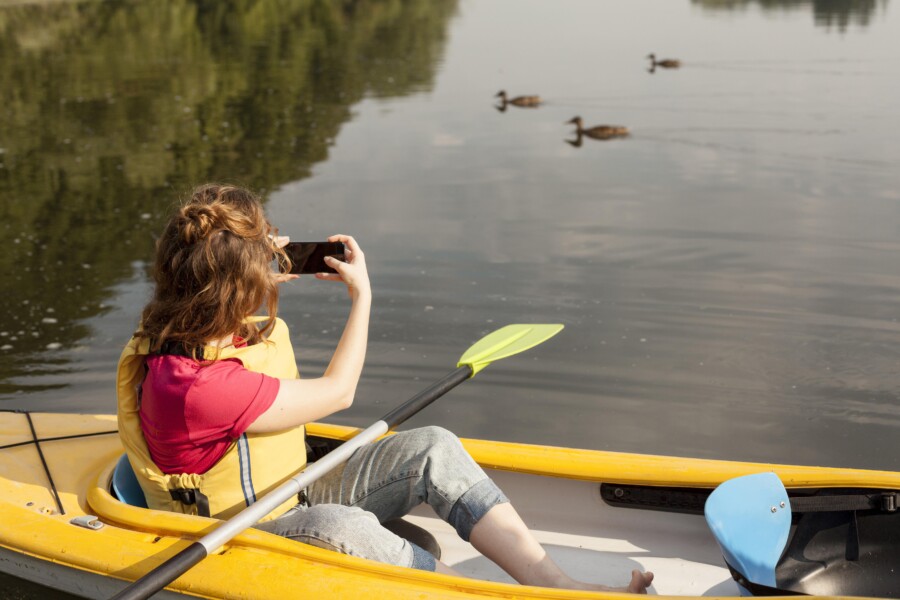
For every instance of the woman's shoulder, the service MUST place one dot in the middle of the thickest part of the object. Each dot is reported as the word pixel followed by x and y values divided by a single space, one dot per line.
pixel 223 379
pixel 185 367
pixel 172 364
pixel 224 390
pixel 223 367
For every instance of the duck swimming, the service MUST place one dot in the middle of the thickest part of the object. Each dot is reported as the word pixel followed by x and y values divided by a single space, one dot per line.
pixel 600 132
pixel 524 101
pixel 666 63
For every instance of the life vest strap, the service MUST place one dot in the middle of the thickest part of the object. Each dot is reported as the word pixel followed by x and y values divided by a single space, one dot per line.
pixel 178 348
pixel 191 496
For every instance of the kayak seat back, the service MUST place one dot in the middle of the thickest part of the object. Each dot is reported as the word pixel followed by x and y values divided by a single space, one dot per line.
pixel 750 517
pixel 125 485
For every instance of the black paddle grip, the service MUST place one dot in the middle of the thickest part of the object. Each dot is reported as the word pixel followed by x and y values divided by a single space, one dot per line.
pixel 427 396
pixel 164 574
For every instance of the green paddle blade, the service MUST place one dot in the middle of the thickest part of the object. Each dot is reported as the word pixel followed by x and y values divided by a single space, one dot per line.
pixel 505 342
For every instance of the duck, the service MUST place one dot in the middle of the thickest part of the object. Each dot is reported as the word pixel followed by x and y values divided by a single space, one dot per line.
pixel 525 101
pixel 600 132
pixel 666 63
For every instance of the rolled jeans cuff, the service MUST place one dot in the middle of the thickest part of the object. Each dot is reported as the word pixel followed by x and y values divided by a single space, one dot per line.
pixel 422 559
pixel 473 505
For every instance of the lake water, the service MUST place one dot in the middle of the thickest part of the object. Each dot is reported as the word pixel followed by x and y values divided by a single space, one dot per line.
pixel 728 275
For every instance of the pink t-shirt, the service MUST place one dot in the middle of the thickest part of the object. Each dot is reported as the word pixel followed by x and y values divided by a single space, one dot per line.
pixel 191 413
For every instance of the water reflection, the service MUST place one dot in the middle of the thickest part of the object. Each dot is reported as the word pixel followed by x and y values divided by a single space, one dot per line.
pixel 110 110
pixel 728 276
pixel 838 14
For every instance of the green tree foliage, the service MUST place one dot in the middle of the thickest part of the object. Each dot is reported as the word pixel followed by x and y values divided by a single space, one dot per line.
pixel 826 13
pixel 110 111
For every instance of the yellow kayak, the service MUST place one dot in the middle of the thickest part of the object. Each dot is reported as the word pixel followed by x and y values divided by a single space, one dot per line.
pixel 600 514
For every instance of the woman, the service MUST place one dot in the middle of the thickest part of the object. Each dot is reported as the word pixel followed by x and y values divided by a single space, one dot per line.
pixel 211 409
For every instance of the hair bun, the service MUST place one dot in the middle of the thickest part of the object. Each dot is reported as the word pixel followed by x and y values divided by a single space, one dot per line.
pixel 200 221
pixel 214 208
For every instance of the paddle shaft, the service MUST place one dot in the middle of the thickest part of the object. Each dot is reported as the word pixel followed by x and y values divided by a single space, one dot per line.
pixel 170 570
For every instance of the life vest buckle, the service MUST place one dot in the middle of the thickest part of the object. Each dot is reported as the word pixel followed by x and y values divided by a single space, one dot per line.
pixel 184 495
pixel 191 496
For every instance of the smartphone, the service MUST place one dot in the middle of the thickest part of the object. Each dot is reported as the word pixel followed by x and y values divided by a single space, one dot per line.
pixel 309 257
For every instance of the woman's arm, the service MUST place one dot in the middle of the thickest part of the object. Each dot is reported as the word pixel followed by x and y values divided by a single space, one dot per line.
pixel 300 401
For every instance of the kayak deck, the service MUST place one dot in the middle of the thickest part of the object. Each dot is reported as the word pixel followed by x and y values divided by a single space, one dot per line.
pixel 556 491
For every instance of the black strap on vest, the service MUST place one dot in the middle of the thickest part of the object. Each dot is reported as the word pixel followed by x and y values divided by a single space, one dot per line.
pixel 178 348
pixel 191 496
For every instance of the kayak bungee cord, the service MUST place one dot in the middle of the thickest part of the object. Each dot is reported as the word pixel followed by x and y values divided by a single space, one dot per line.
pixel 59 438
pixel 37 444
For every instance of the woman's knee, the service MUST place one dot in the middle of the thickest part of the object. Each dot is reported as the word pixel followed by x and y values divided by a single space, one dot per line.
pixel 339 524
pixel 435 439
pixel 333 524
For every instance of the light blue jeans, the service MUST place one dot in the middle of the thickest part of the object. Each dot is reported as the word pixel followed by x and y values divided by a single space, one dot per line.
pixel 383 481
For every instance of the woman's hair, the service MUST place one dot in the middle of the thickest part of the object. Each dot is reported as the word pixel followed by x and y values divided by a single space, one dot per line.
pixel 212 271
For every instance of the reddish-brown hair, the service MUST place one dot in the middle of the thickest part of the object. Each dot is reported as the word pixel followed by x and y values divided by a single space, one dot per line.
pixel 212 271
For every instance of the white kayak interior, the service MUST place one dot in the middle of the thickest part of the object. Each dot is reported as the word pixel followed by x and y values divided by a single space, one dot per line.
pixel 596 542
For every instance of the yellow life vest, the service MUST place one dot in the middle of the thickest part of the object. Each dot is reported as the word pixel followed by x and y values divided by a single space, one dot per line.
pixel 251 467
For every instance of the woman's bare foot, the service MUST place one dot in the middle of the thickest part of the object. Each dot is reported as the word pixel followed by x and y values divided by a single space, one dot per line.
pixel 503 537
pixel 639 582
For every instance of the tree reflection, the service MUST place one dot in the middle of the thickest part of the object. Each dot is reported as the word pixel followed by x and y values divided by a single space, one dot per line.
pixel 111 110
pixel 826 13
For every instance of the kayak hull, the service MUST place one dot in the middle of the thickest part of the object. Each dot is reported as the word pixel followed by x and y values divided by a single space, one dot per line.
pixel 556 490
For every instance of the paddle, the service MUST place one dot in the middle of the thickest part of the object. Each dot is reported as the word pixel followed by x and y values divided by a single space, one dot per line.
pixel 500 344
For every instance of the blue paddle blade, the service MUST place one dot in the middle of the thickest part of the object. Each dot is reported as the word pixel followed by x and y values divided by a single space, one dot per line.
pixel 750 517
pixel 505 342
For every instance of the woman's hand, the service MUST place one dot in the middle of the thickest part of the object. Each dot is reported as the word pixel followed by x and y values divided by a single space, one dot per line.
pixel 353 272
pixel 300 401
pixel 281 241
